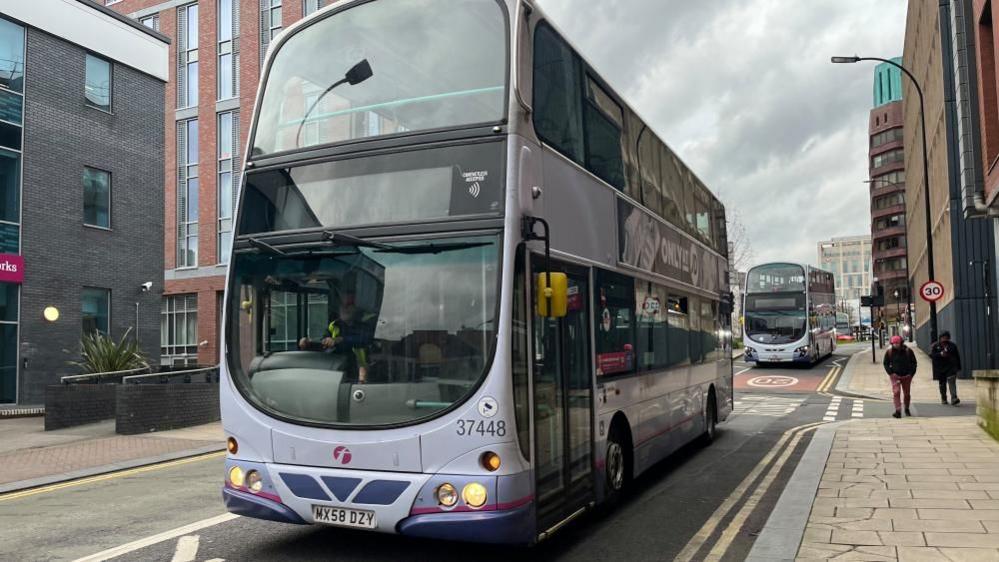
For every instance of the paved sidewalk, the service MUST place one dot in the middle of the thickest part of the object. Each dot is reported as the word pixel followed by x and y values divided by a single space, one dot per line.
pixel 30 456
pixel 913 490
pixel 865 378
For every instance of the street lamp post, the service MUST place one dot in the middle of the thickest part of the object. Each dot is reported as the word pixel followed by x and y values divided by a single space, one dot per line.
pixel 926 176
pixel 908 282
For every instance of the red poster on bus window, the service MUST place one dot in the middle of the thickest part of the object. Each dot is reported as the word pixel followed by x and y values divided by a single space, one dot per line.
pixel 575 298
pixel 614 362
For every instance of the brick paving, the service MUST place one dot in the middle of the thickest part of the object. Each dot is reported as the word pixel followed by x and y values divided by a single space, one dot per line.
pixel 37 458
pixel 909 490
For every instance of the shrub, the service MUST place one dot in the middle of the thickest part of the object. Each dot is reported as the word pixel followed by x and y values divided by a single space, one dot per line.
pixel 101 354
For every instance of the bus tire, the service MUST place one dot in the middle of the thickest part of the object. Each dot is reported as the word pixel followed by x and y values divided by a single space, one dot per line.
pixel 710 419
pixel 617 464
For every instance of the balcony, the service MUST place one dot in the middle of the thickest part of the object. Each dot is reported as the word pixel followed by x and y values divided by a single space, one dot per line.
pixel 888 211
pixel 888 274
pixel 886 189
pixel 899 252
pixel 888 232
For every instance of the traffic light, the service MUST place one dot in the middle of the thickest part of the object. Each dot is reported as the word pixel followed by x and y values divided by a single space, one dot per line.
pixel 727 302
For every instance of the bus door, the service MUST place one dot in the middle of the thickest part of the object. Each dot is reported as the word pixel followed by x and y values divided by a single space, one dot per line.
pixel 563 405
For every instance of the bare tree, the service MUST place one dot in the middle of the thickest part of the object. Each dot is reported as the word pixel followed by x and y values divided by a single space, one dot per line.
pixel 740 249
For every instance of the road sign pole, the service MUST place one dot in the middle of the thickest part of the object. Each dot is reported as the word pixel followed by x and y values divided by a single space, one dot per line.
pixel 874 353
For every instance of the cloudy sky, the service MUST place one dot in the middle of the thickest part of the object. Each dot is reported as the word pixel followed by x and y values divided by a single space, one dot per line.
pixel 743 90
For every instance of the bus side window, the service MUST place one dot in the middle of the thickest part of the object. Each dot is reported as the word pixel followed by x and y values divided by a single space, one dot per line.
pixel 558 99
pixel 613 311
pixel 679 328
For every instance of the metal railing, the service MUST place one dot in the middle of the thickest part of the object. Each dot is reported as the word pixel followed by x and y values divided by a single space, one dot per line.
pixel 211 374
pixel 96 377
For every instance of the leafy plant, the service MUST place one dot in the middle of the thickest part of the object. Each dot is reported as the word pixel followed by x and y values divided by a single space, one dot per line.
pixel 101 354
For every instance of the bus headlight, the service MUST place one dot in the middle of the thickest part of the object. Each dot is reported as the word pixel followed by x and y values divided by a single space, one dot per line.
pixel 802 350
pixel 447 495
pixel 236 477
pixel 254 482
pixel 474 495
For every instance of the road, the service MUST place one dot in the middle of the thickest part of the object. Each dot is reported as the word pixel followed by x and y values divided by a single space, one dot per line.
pixel 697 503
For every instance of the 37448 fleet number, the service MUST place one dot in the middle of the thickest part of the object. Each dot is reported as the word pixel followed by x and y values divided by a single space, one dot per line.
pixel 481 427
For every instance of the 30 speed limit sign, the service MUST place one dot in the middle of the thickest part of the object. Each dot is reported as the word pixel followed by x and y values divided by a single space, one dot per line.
pixel 931 291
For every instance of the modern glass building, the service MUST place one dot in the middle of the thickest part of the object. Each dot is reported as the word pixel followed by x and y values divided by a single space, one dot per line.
pixel 81 191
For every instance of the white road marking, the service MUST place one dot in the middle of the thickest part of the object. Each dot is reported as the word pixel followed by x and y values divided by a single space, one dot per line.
pixel 776 406
pixel 743 371
pixel 833 409
pixel 858 409
pixel 187 549
pixel 155 539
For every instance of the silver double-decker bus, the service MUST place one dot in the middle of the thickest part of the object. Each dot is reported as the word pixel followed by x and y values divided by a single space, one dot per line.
pixel 790 314
pixel 471 293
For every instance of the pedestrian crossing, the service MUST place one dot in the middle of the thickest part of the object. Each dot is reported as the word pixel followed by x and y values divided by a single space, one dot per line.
pixel 857 410
pixel 763 405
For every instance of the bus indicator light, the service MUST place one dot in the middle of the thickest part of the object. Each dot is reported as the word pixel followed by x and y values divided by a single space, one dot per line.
pixel 490 461
pixel 232 446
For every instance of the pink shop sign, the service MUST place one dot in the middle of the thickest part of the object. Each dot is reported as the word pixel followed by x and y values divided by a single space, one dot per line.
pixel 11 268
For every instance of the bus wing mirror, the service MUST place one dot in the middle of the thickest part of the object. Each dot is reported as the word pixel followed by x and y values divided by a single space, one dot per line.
pixel 359 73
pixel 552 301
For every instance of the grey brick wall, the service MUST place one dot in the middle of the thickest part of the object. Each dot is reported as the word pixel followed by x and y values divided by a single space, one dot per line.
pixel 70 405
pixel 142 408
pixel 61 136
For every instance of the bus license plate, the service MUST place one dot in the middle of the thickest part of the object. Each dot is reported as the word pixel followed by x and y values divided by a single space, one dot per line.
pixel 341 517
pixel 775 358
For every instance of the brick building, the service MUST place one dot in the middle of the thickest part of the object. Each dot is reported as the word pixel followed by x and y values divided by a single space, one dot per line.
pixel 81 194
pixel 887 191
pixel 940 51
pixel 217 47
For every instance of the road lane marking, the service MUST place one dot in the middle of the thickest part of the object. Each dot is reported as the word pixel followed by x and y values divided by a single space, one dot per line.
pixel 858 409
pixel 829 379
pixel 733 528
pixel 108 476
pixel 704 533
pixel 155 539
pixel 743 371
pixel 187 549
pixel 833 410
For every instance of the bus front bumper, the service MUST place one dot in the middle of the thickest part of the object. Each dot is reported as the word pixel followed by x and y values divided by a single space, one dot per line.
pixel 762 355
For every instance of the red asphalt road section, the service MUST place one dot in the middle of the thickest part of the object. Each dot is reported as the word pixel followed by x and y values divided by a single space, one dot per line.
pixel 781 379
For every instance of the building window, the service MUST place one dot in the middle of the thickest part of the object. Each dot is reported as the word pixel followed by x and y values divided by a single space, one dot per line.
pixel 270 23
pixel 311 6
pixel 152 22
pixel 228 140
pixel 11 56
pixel 96 306
pixel 896 155
pixel 96 198
pixel 187 193
pixel 228 50
pixel 274 19
pixel 884 137
pixel 179 330
pixel 187 56
pixel 98 83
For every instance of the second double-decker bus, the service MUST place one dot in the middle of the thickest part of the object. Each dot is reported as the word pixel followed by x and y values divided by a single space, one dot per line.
pixel 471 294
pixel 790 314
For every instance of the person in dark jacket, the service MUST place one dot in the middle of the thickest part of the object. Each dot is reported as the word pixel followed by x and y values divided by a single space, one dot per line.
pixel 900 364
pixel 946 366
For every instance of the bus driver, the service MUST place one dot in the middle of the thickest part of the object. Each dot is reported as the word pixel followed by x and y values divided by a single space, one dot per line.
pixel 346 331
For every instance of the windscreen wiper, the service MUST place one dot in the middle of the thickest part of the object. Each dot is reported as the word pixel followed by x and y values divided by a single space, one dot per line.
pixel 341 239
pixel 433 247
pixel 261 245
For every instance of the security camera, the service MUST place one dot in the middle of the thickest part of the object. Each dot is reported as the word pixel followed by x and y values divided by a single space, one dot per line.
pixel 146 286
